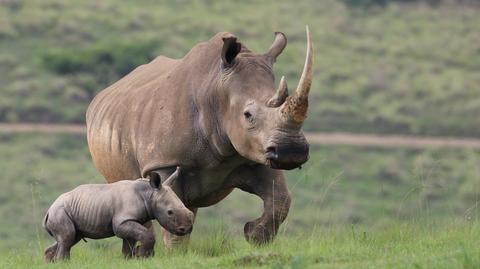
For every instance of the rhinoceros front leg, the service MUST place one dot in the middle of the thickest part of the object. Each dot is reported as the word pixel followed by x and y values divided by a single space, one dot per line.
pixel 172 241
pixel 271 187
pixel 128 246
pixel 133 231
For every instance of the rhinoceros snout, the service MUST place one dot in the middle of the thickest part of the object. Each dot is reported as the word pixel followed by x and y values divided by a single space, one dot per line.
pixel 287 156
pixel 183 230
pixel 184 224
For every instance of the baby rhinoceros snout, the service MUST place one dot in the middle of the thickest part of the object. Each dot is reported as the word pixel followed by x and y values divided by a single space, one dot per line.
pixel 184 223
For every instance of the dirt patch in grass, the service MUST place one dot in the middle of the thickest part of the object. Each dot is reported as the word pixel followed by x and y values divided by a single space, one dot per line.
pixel 260 259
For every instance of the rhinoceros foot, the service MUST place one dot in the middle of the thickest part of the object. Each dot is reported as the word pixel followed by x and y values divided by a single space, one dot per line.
pixel 258 233
pixel 144 252
pixel 50 253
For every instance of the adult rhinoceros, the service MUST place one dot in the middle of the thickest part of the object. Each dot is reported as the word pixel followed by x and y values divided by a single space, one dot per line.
pixel 215 113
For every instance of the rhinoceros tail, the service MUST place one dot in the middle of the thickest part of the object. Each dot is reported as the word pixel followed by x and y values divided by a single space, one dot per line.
pixel 44 224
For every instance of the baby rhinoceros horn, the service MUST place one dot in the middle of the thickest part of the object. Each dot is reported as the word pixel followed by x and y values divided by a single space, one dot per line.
pixel 156 181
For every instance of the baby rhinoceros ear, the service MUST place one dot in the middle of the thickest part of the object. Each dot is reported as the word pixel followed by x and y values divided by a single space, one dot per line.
pixel 155 180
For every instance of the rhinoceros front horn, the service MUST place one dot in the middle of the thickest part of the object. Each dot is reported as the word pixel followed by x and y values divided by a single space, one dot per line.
pixel 295 108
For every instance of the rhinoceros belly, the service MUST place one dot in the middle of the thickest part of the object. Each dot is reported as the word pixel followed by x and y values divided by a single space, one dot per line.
pixel 91 211
pixel 206 187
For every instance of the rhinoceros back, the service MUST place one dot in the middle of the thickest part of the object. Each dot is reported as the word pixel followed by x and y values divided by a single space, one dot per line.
pixel 117 116
pixel 149 119
pixel 142 121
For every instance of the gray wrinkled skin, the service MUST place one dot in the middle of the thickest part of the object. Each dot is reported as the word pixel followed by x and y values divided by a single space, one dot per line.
pixel 122 208
pixel 215 113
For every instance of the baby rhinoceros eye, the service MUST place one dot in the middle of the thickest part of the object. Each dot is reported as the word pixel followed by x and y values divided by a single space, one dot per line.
pixel 169 212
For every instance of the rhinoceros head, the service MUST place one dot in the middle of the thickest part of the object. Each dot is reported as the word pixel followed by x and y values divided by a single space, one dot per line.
pixel 167 207
pixel 264 124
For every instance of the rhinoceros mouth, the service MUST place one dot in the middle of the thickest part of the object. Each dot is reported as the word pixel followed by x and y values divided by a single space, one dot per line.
pixel 183 232
pixel 283 166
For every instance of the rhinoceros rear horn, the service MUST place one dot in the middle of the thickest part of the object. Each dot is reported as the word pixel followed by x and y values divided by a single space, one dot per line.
pixel 295 108
pixel 230 50
pixel 280 96
pixel 277 46
pixel 155 180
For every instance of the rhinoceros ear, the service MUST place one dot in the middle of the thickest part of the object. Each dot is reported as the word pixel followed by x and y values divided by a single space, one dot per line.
pixel 277 47
pixel 155 180
pixel 230 50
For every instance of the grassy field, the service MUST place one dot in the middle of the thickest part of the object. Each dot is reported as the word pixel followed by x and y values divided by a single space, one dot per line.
pixel 449 245
pixel 352 208
pixel 401 68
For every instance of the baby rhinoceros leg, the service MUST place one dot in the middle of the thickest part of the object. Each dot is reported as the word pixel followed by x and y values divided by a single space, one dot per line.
pixel 63 230
pixel 128 248
pixel 50 252
pixel 134 231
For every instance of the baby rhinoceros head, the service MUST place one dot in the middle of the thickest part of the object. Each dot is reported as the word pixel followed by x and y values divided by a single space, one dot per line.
pixel 167 207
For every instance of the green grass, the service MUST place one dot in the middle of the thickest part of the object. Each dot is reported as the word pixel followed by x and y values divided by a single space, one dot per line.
pixel 414 245
pixel 402 68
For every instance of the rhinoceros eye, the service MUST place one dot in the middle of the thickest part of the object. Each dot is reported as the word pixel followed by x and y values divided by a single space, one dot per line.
pixel 247 115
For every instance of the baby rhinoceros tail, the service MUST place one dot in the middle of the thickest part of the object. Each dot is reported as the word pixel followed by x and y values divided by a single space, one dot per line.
pixel 44 224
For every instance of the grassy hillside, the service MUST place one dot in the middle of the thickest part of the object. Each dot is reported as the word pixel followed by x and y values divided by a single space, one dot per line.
pixel 339 187
pixel 398 68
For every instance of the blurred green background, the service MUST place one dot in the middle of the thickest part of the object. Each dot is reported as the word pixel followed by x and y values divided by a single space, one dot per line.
pixel 390 67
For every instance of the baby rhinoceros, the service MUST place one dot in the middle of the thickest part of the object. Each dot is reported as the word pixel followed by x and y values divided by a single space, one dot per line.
pixel 103 210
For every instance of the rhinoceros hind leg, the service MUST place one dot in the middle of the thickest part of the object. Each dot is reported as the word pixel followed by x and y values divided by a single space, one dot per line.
pixel 63 230
pixel 171 241
pixel 50 252
pixel 270 186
